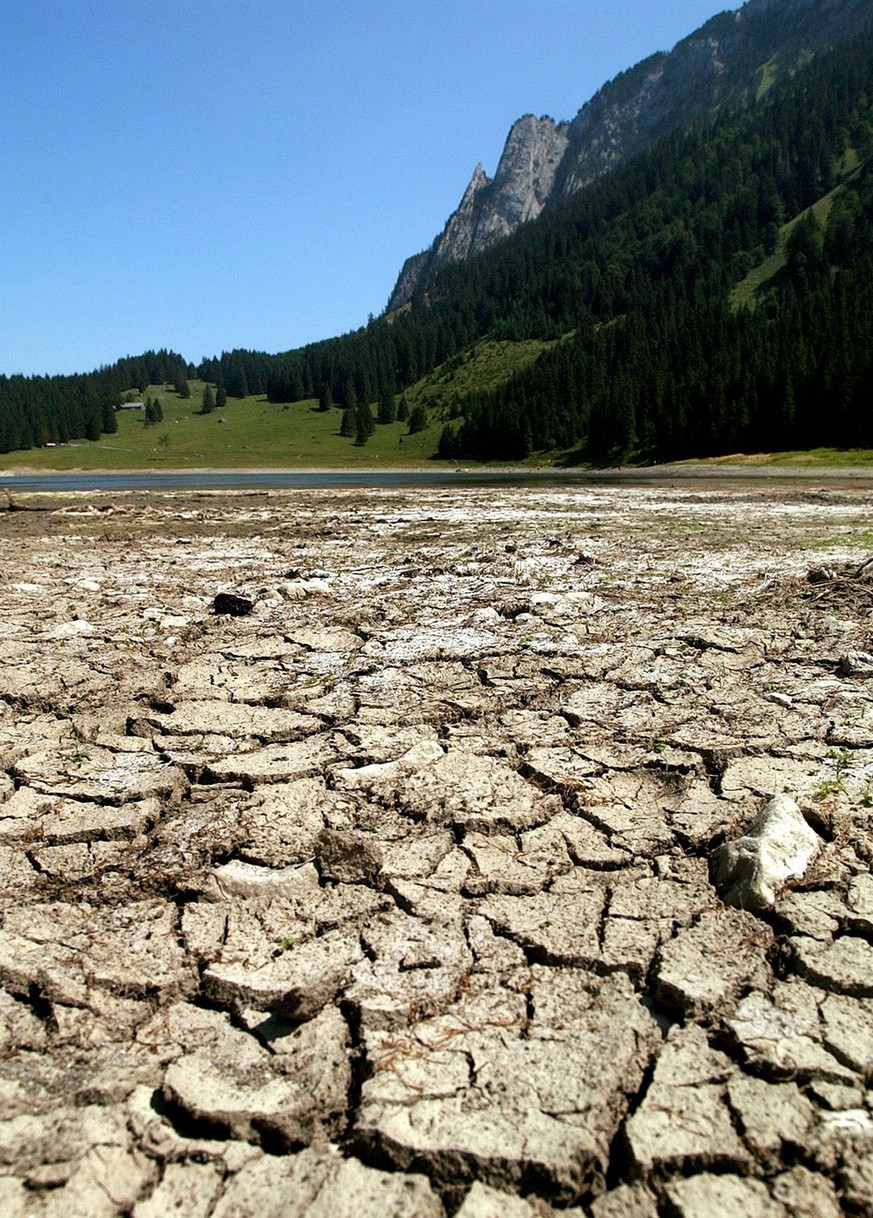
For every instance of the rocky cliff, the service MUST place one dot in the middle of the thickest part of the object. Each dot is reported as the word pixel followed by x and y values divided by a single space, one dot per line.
pixel 491 209
pixel 728 60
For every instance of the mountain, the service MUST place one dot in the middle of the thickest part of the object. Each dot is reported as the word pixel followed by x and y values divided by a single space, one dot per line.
pixel 734 57
pixel 711 294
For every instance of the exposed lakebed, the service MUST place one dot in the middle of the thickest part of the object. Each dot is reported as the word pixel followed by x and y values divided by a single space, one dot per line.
pixel 393 895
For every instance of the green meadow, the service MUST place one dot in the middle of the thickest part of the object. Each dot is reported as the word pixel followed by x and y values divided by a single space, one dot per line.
pixel 248 433
pixel 254 433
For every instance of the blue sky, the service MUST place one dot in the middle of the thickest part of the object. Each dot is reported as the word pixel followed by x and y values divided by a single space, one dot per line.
pixel 210 174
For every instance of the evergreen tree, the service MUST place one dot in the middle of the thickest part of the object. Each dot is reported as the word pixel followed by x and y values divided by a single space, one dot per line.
pixel 364 424
pixel 417 420
pixel 387 408
pixel 220 397
pixel 110 419
pixel 208 400
pixel 348 424
pixel 237 383
pixel 805 249
pixel 93 425
pixel 839 236
pixel 325 399
pixel 449 445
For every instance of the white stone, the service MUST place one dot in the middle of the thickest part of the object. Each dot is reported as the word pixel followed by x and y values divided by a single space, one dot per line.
pixel 78 628
pixel 779 846
pixel 238 879
pixel 852 1121
pixel 174 621
pixel 315 587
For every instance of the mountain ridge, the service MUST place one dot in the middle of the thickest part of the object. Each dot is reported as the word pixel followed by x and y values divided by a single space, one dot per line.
pixel 543 161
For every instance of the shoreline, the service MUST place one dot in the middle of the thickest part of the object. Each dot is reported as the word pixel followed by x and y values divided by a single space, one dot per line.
pixel 630 473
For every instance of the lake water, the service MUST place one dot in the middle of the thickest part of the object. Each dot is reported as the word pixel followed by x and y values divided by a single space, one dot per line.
pixel 285 479
pixel 254 479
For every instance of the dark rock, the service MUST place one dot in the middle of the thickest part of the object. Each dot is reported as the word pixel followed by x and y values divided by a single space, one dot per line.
pixel 230 603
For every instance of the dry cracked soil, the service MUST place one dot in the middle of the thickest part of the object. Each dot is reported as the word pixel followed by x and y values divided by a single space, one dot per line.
pixel 389 892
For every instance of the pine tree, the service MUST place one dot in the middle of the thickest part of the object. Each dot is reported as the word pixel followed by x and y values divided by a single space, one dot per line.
pixel 220 397
pixel 417 420
pixel 449 445
pixel 364 424
pixel 805 249
pixel 348 425
pixel 325 399
pixel 110 419
pixel 387 408
pixel 208 401
pixel 237 381
pixel 92 425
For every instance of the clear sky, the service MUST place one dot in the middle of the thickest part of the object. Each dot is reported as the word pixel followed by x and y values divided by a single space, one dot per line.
pixel 210 174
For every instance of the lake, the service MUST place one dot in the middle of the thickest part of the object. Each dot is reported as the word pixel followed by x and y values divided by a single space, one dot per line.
pixel 301 479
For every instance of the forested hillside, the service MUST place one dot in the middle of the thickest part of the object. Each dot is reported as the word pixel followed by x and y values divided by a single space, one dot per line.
pixel 732 59
pixel 37 410
pixel 713 295
pixel 663 364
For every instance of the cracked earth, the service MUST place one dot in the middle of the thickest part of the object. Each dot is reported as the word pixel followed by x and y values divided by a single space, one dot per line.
pixel 394 895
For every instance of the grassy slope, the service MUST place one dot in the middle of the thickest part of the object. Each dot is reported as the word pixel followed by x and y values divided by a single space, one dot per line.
pixel 482 366
pixel 745 294
pixel 257 433
pixel 254 433
pixel 823 458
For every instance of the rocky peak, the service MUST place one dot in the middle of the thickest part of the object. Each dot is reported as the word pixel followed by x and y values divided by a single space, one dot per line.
pixel 525 175
pixel 630 113
pixel 457 237
pixel 544 161
pixel 491 209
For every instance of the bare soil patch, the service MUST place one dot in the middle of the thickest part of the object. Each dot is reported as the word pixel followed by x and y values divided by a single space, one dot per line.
pixel 394 894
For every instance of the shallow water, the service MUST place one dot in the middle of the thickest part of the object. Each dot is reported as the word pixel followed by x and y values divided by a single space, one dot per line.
pixel 103 480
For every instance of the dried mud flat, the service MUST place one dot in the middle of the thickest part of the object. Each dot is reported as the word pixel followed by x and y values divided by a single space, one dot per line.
pixel 393 896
